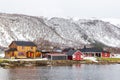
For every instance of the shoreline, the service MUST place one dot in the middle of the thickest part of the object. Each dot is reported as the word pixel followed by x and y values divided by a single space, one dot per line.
pixel 38 62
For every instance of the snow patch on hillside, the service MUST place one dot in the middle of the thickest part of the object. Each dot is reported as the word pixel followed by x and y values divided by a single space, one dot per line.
pixel 113 21
pixel 71 32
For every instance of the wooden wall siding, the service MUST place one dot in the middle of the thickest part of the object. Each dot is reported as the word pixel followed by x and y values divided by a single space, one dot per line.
pixel 38 54
pixel 14 54
pixel 7 55
pixel 105 54
pixel 26 48
pixel 50 57
pixel 17 54
pixel 30 55
pixel 22 51
pixel 77 56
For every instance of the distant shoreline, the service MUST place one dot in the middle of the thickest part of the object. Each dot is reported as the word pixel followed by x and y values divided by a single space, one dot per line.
pixel 35 62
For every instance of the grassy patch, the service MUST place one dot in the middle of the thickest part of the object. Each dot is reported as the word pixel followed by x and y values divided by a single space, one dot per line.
pixel 4 61
pixel 1 60
pixel 109 59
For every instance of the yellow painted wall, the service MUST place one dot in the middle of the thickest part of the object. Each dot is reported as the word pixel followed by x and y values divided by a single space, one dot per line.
pixel 16 55
pixel 26 48
pixel 21 56
pixel 7 55
pixel 38 54
pixel 23 49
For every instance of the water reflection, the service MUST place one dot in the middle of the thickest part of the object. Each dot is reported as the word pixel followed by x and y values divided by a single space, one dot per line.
pixel 4 74
pixel 74 72
pixel 23 73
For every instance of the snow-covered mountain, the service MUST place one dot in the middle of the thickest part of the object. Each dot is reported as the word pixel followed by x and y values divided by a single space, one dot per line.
pixel 57 30
pixel 114 21
pixel 21 27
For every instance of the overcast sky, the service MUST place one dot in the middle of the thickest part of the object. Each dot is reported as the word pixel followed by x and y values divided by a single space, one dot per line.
pixel 63 8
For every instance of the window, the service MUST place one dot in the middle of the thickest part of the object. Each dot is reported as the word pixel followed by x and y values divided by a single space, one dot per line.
pixel 105 54
pixel 21 54
pixel 31 47
pixel 12 53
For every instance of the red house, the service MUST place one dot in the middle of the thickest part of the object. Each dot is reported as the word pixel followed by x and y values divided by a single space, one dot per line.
pixel 74 55
pixel 105 54
pixel 95 52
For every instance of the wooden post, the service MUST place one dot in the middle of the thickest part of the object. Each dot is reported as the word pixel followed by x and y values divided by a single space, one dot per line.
pixel 41 55
pixel 94 54
pixel 51 57
pixel 34 55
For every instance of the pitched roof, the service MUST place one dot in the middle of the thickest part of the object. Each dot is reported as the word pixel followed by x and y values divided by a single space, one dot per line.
pixel 71 52
pixel 67 49
pixel 11 49
pixel 57 50
pixel 24 43
pixel 91 50
pixel 57 54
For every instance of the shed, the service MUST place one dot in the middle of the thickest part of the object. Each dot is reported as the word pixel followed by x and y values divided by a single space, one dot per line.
pixel 57 56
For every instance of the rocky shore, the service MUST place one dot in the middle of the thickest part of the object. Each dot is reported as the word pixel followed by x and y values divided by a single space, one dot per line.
pixel 33 62
pixel 40 63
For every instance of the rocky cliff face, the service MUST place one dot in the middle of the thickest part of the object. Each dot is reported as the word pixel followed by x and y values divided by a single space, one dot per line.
pixel 57 30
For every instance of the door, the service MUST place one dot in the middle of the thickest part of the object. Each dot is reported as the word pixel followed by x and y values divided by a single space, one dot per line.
pixel 29 54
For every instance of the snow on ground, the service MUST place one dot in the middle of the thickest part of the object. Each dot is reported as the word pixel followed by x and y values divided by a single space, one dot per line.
pixel 116 56
pixel 91 58
pixel 2 55
pixel 112 21
pixel 39 59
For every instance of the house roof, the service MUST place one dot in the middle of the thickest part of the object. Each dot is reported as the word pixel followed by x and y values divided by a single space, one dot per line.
pixel 67 49
pixel 24 43
pixel 11 49
pixel 71 52
pixel 57 50
pixel 57 54
pixel 91 50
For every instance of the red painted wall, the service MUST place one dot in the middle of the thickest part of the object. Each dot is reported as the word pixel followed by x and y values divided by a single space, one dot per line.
pixel 106 54
pixel 77 56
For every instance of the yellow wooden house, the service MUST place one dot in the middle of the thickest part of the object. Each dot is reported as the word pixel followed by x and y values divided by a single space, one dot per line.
pixel 22 49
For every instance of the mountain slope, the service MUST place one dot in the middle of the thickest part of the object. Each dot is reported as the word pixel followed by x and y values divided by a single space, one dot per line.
pixel 21 27
pixel 100 31
pixel 57 30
